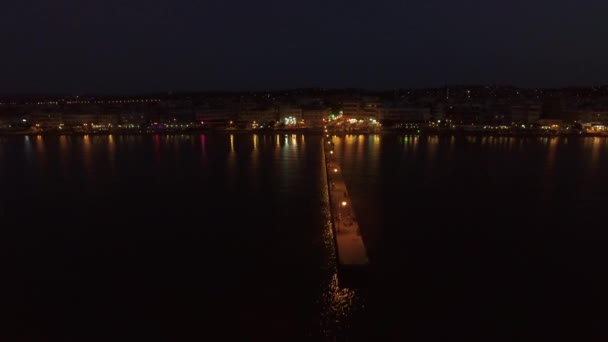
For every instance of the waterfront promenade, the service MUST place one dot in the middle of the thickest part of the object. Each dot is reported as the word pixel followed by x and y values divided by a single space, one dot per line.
pixel 350 248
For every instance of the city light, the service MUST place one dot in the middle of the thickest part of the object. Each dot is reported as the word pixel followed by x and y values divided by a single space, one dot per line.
pixel 290 120
pixel 344 203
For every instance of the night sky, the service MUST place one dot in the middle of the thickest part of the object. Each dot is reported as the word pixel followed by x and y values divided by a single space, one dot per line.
pixel 111 46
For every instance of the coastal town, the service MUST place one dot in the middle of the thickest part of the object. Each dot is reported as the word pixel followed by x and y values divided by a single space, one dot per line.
pixel 470 109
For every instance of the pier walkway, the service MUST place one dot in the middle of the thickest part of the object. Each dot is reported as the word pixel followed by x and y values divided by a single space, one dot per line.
pixel 350 249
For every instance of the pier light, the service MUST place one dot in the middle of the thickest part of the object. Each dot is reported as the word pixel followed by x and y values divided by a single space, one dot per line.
pixel 344 203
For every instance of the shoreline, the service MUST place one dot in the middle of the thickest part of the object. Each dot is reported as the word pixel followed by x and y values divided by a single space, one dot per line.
pixel 317 131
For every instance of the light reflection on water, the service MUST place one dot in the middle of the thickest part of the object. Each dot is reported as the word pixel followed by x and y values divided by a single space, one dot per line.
pixel 203 148
pixel 112 154
pixel 87 154
pixel 231 166
pixel 365 154
pixel 595 151
pixel 254 165
pixel 28 149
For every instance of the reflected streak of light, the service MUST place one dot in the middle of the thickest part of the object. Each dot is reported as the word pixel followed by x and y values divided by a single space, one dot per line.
pixel 374 155
pixel 433 145
pixel 40 145
pixel 203 147
pixel 349 144
pixel 111 146
pixel 278 140
pixel 255 155
pixel 63 146
pixel 86 150
pixel 548 181
pixel 231 174
pixel 111 152
pixel 552 151
pixel 595 151
pixel 157 147
pixel 28 148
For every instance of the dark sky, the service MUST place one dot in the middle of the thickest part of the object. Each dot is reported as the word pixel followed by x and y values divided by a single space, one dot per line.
pixel 113 46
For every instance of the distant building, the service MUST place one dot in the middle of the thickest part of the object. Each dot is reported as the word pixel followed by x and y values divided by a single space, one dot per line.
pixel 468 113
pixel 215 117
pixel 553 108
pixel 396 113
pixel 5 123
pixel 258 116
pixel 175 111
pixel 370 110
pixel 133 118
pixel 313 116
pixel 290 115
pixel 361 110
pixel 44 120
pixel 350 109
pixel 525 112
pixel 87 119
pixel 591 116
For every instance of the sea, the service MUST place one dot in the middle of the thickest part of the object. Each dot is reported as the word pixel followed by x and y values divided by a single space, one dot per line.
pixel 229 236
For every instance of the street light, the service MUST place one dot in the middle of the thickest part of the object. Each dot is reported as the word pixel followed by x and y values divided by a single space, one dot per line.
pixel 344 203
pixel 335 170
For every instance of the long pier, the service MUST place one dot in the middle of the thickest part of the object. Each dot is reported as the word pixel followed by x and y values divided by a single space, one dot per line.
pixel 350 248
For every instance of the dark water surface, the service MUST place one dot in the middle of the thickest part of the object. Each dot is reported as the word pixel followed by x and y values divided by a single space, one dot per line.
pixel 495 238
pixel 195 235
